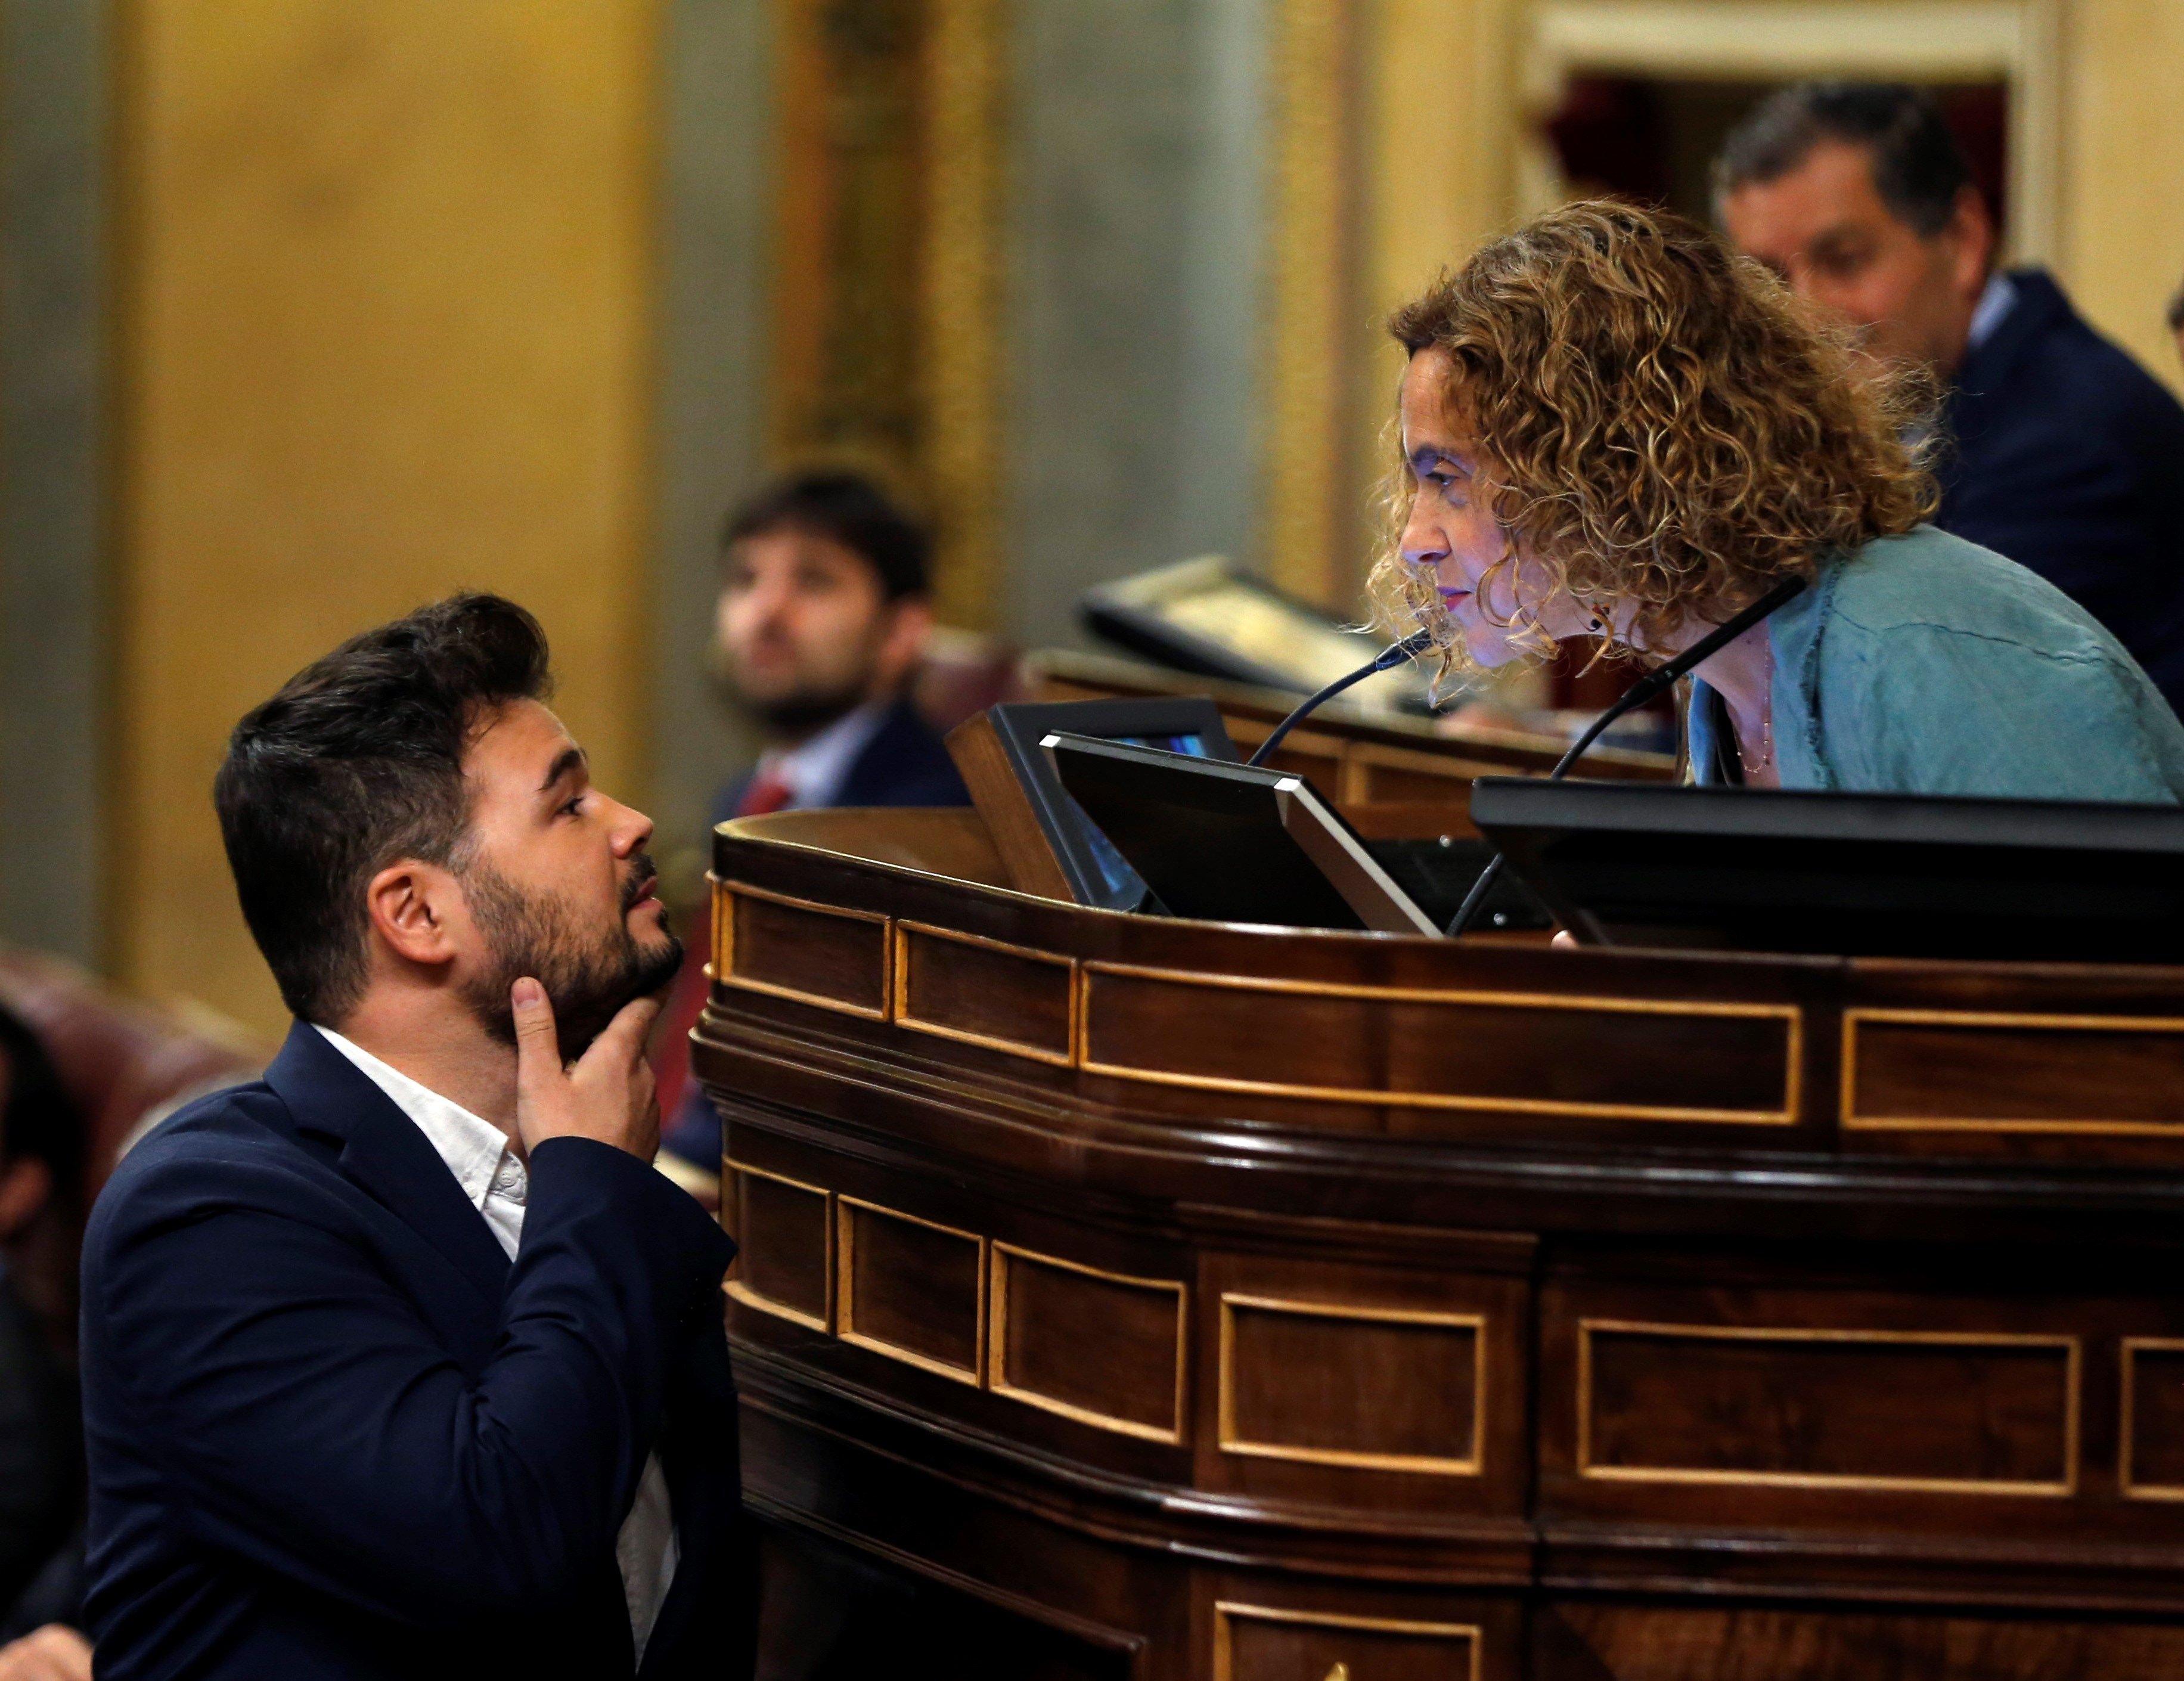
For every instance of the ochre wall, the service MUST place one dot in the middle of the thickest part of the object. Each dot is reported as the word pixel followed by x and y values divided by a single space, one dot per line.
pixel 2123 172
pixel 383 296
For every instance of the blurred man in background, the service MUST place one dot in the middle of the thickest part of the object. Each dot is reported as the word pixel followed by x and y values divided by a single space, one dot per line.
pixel 822 617
pixel 2059 451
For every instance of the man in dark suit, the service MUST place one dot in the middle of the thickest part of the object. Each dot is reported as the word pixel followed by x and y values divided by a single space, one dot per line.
pixel 2058 449
pixel 822 618
pixel 403 1360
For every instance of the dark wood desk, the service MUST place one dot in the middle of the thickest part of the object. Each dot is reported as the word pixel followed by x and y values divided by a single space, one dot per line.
pixel 1183 1301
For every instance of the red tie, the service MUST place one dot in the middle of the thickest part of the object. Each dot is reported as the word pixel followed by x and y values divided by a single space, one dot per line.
pixel 766 792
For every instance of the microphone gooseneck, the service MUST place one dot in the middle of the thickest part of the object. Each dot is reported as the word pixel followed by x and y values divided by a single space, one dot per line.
pixel 1646 688
pixel 1386 661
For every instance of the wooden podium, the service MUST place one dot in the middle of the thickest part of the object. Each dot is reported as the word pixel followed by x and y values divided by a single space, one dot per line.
pixel 1160 1300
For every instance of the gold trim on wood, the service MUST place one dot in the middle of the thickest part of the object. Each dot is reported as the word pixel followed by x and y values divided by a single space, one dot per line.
pixel 1790 1013
pixel 2131 1489
pixel 1469 1465
pixel 845 1293
pixel 1828 1479
pixel 1852 1121
pixel 750 1298
pixel 1224 1657
pixel 901 1000
pixel 724 947
pixel 997 1372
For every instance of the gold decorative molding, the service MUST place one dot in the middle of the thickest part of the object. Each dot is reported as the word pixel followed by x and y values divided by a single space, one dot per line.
pixel 1790 1015
pixel 2068 1346
pixel 2130 1486
pixel 750 1298
pixel 1227 1612
pixel 1854 1020
pixel 1469 1464
pixel 997 1369
pixel 845 1295
pixel 725 894
pixel 905 1015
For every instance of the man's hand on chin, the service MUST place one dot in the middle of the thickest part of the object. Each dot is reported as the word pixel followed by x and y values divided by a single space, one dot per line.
pixel 605 1095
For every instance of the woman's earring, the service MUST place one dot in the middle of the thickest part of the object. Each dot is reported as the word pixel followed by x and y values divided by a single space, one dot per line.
pixel 1595 624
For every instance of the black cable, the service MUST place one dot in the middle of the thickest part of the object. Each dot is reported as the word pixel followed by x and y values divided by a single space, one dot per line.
pixel 1386 661
pixel 1653 683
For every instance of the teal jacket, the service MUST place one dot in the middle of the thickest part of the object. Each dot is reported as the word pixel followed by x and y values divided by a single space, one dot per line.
pixel 1924 664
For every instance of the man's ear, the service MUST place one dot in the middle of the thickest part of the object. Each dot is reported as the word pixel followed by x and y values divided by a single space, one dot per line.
pixel 1972 231
pixel 410 906
pixel 25 1185
pixel 908 626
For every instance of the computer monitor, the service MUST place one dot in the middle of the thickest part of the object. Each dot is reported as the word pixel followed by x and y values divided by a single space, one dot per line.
pixel 1231 843
pixel 1859 874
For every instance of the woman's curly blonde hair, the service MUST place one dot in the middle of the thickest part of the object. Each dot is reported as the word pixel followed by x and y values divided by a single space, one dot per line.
pixel 1664 426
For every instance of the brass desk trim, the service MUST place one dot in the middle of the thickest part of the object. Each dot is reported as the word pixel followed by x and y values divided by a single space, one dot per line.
pixel 2130 1488
pixel 724 946
pixel 997 1376
pixel 845 1294
pixel 1224 1611
pixel 765 1304
pixel 1471 1465
pixel 2072 1372
pixel 1791 1015
pixel 1853 1019
pixel 898 966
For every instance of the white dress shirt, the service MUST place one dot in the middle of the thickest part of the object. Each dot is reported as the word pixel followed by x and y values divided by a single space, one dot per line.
pixel 814 770
pixel 497 1182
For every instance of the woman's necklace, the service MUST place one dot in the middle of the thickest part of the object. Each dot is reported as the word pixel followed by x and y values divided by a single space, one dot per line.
pixel 1753 766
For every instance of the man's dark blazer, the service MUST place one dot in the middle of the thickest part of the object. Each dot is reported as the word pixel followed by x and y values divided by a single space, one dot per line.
pixel 333 1430
pixel 904 764
pixel 2068 457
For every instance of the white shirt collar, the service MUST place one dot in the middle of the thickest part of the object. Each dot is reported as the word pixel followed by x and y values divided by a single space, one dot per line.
pixel 476 1152
pixel 814 770
pixel 1994 304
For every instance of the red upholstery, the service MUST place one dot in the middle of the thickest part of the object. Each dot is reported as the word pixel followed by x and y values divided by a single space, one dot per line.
pixel 117 1058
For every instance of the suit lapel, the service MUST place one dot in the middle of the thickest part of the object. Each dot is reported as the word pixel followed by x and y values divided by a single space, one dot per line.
pixel 382 1153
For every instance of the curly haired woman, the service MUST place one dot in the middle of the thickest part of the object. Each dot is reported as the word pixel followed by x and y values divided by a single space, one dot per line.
pixel 1614 428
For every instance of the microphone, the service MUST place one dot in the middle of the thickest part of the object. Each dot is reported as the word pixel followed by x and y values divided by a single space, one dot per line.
pixel 1386 661
pixel 1653 683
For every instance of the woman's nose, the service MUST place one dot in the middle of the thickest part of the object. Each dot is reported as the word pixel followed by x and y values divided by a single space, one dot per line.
pixel 1421 544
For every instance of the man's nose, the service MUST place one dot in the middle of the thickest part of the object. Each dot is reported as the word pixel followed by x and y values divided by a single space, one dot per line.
pixel 632 829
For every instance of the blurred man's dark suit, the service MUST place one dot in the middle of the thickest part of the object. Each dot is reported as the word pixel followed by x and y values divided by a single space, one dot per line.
pixel 334 1431
pixel 2064 454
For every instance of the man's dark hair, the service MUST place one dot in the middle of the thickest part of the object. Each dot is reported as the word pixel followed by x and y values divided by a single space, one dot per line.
pixel 356 763
pixel 1918 168
pixel 851 511
pixel 2176 311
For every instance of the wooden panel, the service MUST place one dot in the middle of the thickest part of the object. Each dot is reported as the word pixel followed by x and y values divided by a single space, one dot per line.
pixel 1526 1053
pixel 1099 1347
pixel 1641 1643
pixel 911 1290
pixel 1950 1070
pixel 1378 775
pixel 983 993
pixel 1259 1643
pixel 2153 1434
pixel 1380 1388
pixel 816 953
pixel 784 1246
pixel 1942 1411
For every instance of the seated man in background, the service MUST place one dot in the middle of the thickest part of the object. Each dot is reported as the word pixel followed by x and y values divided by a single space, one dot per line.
pixel 822 619
pixel 403 1360
pixel 2059 451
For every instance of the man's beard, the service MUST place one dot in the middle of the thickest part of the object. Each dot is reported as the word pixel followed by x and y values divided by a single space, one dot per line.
pixel 796 716
pixel 589 977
